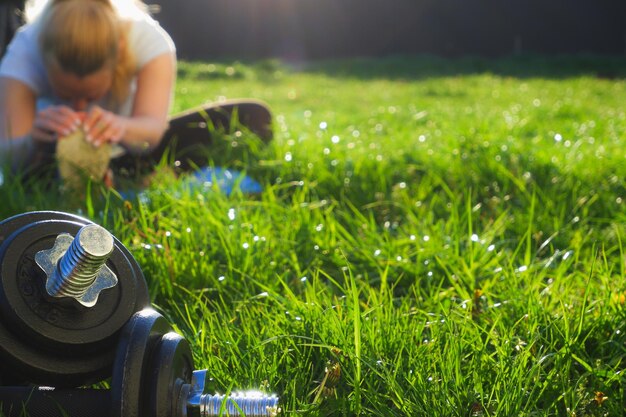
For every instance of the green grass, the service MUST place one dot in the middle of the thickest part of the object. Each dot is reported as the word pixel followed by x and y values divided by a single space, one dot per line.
pixel 444 237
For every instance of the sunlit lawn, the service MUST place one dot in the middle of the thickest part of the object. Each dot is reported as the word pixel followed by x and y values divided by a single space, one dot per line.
pixel 434 238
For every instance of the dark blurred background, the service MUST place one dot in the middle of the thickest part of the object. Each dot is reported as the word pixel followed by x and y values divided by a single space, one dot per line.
pixel 298 30
pixel 312 29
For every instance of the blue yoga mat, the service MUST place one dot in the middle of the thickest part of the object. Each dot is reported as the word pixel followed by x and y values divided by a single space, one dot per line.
pixel 204 179
pixel 226 179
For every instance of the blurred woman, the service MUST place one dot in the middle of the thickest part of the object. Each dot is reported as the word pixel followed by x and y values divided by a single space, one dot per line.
pixel 87 64
pixel 103 66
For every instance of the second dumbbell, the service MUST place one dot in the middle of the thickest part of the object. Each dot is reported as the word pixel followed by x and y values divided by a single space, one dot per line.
pixel 153 376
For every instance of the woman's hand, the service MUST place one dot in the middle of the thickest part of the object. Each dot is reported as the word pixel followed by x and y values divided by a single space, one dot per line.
pixel 102 126
pixel 54 122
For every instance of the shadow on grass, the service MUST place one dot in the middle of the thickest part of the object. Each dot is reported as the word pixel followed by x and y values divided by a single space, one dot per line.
pixel 522 66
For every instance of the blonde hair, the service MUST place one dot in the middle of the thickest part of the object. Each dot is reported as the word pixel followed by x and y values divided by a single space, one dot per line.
pixel 84 36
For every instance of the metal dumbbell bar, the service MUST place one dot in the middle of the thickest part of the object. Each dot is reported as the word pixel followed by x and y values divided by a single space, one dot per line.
pixel 75 310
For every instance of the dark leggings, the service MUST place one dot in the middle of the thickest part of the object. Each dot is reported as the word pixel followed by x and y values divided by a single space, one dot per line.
pixel 189 137
pixel 187 142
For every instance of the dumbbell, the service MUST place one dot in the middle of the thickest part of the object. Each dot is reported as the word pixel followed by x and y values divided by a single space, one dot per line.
pixel 152 376
pixel 75 310
pixel 62 341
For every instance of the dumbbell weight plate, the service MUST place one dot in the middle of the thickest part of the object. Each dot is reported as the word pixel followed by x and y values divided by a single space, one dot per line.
pixel 38 336
pixel 40 367
pixel 27 307
pixel 11 224
pixel 137 342
pixel 171 367
pixel 151 377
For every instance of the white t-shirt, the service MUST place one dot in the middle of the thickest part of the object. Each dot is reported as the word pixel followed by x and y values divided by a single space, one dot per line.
pixel 23 60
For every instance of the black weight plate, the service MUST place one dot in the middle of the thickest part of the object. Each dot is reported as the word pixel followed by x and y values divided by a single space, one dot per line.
pixel 11 224
pixel 21 351
pixel 14 223
pixel 171 366
pixel 60 326
pixel 39 367
pixel 137 341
